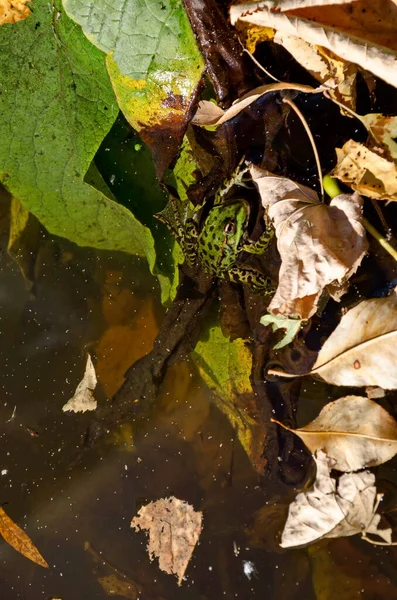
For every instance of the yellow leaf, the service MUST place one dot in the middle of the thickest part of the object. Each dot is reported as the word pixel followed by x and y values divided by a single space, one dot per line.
pixel 366 172
pixel 12 11
pixel 19 540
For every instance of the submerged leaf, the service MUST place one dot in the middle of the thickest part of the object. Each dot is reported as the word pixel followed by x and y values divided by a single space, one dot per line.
pixel 334 508
pixel 174 529
pixel 225 367
pixel 19 540
pixel 320 246
pixel 354 431
pixel 83 398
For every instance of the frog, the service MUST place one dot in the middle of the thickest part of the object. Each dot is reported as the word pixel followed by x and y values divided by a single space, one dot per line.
pixel 217 243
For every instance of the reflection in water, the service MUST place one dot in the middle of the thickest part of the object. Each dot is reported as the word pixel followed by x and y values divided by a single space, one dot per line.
pixel 79 516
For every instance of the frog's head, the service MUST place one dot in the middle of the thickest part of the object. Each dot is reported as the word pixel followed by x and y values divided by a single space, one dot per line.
pixel 221 234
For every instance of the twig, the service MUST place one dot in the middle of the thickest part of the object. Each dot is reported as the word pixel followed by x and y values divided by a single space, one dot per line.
pixel 313 143
pixel 258 64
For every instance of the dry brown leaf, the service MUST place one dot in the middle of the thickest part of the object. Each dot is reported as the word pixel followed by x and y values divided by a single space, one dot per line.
pixel 354 431
pixel 174 529
pixel 320 246
pixel 365 37
pixel 334 508
pixel 12 11
pixel 210 114
pixel 362 350
pixel 366 172
pixel 19 540
pixel 83 398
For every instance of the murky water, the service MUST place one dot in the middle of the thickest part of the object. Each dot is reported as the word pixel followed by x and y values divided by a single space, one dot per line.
pixel 78 514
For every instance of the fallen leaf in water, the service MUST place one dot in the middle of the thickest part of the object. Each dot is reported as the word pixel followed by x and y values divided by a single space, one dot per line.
pixel 83 398
pixel 364 35
pixel 362 350
pixel 366 172
pixel 12 11
pixel 174 529
pixel 354 431
pixel 114 585
pixel 19 540
pixel 334 508
pixel 320 246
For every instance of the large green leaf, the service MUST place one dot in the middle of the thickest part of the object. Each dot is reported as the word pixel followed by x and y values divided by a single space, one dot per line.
pixel 56 105
pixel 153 62
pixel 225 367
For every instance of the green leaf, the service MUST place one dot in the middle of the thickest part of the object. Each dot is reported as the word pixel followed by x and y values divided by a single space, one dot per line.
pixel 291 326
pixel 225 367
pixel 56 105
pixel 153 62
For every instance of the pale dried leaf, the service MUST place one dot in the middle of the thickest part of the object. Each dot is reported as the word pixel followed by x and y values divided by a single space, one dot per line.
pixel 354 431
pixel 320 246
pixel 363 348
pixel 83 398
pixel 174 529
pixel 334 508
pixel 374 57
pixel 284 5
pixel 208 115
pixel 337 75
pixel 12 11
pixel 366 172
pixel 19 540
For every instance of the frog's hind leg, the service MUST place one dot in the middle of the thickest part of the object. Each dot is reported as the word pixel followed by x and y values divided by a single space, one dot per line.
pixel 261 245
pixel 257 281
pixel 236 178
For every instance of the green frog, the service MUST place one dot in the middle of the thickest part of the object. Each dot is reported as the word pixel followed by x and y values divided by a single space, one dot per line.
pixel 218 242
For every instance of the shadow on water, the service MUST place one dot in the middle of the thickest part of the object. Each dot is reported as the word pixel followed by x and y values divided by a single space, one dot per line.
pixel 79 518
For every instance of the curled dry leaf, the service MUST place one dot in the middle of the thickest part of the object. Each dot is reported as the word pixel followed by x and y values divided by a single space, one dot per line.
pixel 334 508
pixel 320 246
pixel 19 540
pixel 383 130
pixel 83 398
pixel 366 172
pixel 362 350
pixel 12 11
pixel 375 51
pixel 210 114
pixel 174 529
pixel 354 431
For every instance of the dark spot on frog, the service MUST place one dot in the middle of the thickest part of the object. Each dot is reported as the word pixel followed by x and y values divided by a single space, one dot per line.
pixel 209 246
pixel 37 25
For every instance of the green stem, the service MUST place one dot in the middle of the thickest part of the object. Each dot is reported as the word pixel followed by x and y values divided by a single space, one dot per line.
pixel 332 189
pixel 380 239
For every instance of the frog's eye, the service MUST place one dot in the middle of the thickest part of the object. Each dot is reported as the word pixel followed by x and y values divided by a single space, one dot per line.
pixel 230 228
